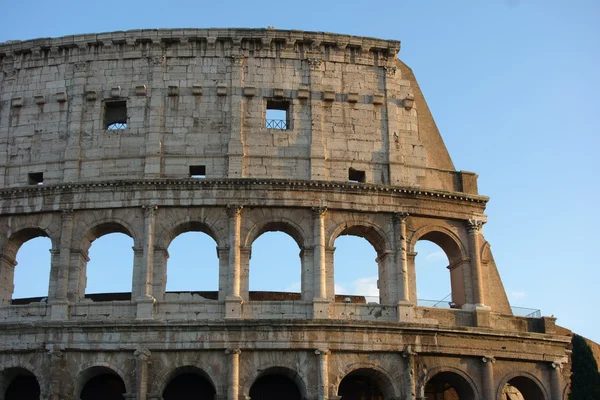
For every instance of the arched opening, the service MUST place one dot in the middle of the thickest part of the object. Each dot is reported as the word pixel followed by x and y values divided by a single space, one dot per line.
pixel 275 267
pixel 449 386
pixel 193 264
pixel 33 259
pixel 275 386
pixel 20 384
pixel 356 270
pixel 29 248
pixel 189 383
pixel 430 274
pixel 522 388
pixel 110 266
pixel 433 283
pixel 365 384
pixel 101 383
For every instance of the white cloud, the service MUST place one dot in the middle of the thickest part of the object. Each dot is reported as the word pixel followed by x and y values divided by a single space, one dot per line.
pixel 366 286
pixel 294 287
pixel 436 255
pixel 517 295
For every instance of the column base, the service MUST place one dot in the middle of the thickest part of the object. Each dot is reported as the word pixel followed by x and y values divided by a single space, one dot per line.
pixel 59 310
pixel 233 307
pixel 145 307
pixel 406 311
pixel 482 316
pixel 320 308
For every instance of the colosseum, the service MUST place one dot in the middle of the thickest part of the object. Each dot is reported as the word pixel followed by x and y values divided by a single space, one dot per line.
pixel 154 133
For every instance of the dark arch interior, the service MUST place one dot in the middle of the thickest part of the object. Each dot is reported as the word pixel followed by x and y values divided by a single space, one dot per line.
pixel 360 385
pixel 105 386
pixel 274 387
pixel 449 386
pixel 23 386
pixel 528 388
pixel 189 386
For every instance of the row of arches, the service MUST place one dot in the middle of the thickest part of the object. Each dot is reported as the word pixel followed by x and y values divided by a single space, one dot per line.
pixel 275 383
pixel 112 255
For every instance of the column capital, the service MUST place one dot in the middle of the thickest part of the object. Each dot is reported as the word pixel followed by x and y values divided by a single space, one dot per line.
pixel 488 359
pixel 389 70
pixel 556 365
pixel 408 351
pixel 67 214
pixel 233 210
pixel 319 211
pixel 149 210
pixel 237 59
pixel 55 350
pixel 142 353
pixel 233 351
pixel 322 352
pixel 400 216
pixel 474 225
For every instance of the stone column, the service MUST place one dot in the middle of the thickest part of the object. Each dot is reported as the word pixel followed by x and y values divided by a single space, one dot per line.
pixel 141 369
pixel 159 280
pixel 57 361
pixel 62 276
pixel 323 374
pixel 7 276
pixel 306 260
pixel 385 277
pixel 474 229
pixel 410 383
pixel 320 301
pixel 317 147
pixel 223 255
pixel 556 381
pixel 487 377
pixel 233 299
pixel 235 148
pixel 233 374
pixel 245 256
pixel 144 300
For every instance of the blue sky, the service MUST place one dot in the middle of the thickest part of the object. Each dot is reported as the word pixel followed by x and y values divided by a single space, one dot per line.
pixel 513 86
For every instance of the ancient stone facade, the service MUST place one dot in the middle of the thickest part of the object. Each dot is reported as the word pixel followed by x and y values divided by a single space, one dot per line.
pixel 159 132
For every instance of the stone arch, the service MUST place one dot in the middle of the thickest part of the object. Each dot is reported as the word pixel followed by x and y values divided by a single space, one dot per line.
pixel 91 370
pixel 528 384
pixel 106 226
pixel 24 234
pixel 448 241
pixel 8 259
pixel 9 373
pixel 186 225
pixel 368 230
pixel 276 224
pixel 295 376
pixel 376 236
pixel 455 251
pixel 375 372
pixel 467 382
pixel 166 377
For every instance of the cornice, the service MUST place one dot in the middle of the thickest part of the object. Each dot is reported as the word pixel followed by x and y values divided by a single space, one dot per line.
pixel 276 184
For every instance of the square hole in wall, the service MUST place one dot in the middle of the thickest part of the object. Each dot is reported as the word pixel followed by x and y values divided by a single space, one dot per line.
pixel 355 175
pixel 277 114
pixel 198 171
pixel 35 178
pixel 115 115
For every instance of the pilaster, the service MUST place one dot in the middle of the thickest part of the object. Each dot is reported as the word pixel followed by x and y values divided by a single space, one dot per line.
pixel 474 228
pixel 487 377
pixel 318 171
pixel 322 391
pixel 141 368
pixel 144 300
pixel 236 148
pixel 233 374
pixel 233 299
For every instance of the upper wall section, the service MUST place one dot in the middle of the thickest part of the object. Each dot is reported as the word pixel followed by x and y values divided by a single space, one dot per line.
pixel 217 103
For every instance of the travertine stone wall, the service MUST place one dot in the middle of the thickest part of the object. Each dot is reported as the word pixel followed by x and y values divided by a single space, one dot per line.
pixel 199 97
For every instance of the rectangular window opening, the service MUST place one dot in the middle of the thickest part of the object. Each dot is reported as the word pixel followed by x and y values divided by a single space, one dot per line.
pixel 277 116
pixel 115 115
pixel 355 175
pixel 198 171
pixel 36 178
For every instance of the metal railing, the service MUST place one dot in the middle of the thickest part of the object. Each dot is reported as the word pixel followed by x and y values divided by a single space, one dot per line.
pixel 280 124
pixel 117 126
pixel 526 312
